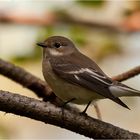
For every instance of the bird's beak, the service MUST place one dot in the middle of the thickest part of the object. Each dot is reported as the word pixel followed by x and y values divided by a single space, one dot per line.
pixel 41 44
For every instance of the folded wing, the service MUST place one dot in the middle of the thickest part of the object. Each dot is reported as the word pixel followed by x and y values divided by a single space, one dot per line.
pixel 87 77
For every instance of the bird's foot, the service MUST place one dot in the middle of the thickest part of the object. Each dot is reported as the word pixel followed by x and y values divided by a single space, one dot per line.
pixel 65 103
pixel 83 113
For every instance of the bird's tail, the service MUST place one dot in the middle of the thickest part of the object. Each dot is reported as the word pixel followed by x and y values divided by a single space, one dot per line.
pixel 121 90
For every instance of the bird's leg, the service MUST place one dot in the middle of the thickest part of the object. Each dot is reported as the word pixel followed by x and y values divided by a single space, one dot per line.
pixel 84 112
pixel 68 102
pixel 64 104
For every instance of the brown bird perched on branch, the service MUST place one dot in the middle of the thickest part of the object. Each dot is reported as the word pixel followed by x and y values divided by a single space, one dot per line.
pixel 76 78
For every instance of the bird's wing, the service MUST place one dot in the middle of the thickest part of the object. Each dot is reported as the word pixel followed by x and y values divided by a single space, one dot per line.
pixel 86 77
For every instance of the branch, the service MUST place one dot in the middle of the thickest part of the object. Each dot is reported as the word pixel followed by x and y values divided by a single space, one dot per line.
pixel 48 113
pixel 127 75
pixel 25 78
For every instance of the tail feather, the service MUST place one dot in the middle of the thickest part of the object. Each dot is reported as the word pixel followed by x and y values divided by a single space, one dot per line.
pixel 129 89
pixel 121 90
pixel 117 100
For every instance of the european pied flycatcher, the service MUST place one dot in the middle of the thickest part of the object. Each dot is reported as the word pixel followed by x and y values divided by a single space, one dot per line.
pixel 76 78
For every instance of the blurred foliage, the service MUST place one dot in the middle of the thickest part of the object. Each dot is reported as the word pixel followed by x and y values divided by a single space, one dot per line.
pixel 45 33
pixel 127 12
pixel 136 4
pixel 37 52
pixel 108 48
pixel 135 8
pixel 34 56
pixel 104 44
pixel 91 3
pixel 78 35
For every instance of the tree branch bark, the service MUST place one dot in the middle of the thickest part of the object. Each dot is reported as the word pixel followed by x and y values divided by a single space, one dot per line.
pixel 48 113
pixel 25 78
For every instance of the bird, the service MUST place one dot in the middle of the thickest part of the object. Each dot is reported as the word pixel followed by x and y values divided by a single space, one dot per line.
pixel 75 77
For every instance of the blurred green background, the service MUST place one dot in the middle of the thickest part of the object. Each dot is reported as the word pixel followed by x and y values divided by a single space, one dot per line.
pixel 106 31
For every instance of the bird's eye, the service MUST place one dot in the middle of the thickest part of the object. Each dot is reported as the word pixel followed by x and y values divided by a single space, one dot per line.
pixel 57 45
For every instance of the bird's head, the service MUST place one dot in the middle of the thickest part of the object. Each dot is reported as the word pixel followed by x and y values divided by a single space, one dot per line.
pixel 57 46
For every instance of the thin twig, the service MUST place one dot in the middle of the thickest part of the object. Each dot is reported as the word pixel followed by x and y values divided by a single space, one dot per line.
pixel 128 74
pixel 48 113
pixel 98 112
